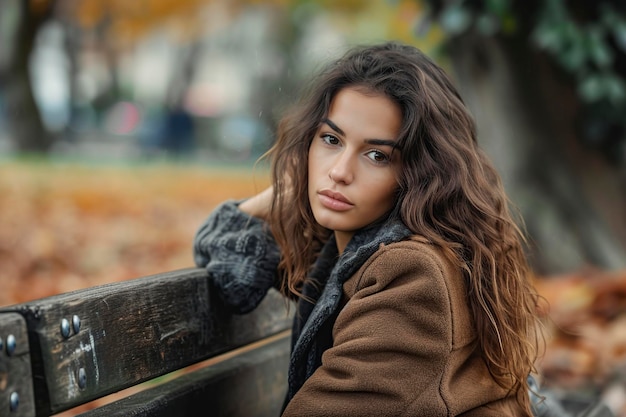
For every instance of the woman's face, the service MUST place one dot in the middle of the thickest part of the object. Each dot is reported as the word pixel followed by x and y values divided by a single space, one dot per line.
pixel 353 167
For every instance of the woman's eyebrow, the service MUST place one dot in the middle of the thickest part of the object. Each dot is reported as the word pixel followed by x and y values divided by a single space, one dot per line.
pixel 378 142
pixel 333 126
pixel 383 142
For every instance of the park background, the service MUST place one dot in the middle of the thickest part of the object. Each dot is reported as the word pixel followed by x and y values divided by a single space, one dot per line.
pixel 123 123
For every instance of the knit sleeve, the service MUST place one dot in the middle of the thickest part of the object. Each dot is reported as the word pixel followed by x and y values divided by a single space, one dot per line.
pixel 240 255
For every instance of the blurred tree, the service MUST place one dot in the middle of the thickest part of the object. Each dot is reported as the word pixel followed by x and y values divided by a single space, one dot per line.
pixel 546 81
pixel 25 122
pixel 107 26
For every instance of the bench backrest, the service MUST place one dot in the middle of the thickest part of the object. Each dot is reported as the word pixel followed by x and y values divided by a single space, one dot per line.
pixel 66 350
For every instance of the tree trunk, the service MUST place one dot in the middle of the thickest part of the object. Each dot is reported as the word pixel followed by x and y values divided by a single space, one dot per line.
pixel 571 199
pixel 24 120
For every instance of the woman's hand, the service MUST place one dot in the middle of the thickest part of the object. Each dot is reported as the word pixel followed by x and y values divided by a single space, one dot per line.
pixel 258 205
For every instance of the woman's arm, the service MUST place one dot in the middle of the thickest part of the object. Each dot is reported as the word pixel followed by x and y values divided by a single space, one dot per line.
pixel 239 253
pixel 258 205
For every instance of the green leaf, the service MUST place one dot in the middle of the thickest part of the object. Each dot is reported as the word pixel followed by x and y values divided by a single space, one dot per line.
pixel 615 88
pixel 455 19
pixel 591 88
pixel 573 54
pixel 548 37
pixel 597 49
pixel 487 24
pixel 509 24
pixel 619 33
pixel 499 8
pixel 574 57
pixel 606 86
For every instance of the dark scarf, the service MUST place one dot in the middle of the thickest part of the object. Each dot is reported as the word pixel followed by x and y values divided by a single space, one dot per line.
pixel 312 328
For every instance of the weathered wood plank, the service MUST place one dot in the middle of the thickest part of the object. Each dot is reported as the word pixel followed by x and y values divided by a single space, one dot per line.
pixel 16 385
pixel 249 384
pixel 124 333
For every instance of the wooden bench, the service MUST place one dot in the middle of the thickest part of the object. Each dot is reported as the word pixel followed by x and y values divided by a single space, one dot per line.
pixel 69 349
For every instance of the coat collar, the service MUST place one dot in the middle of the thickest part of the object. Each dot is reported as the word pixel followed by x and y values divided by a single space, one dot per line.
pixel 331 275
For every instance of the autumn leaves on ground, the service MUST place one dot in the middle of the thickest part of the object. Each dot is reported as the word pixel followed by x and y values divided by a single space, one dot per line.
pixel 69 226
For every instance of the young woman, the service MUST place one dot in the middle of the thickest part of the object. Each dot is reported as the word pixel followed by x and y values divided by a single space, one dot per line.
pixel 390 227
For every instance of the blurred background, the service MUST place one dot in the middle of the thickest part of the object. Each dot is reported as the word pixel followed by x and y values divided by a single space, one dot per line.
pixel 123 123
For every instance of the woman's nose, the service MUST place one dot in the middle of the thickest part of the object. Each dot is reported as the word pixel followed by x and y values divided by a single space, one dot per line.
pixel 342 171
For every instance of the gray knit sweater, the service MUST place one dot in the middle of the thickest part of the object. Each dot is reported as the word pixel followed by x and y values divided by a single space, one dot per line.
pixel 242 257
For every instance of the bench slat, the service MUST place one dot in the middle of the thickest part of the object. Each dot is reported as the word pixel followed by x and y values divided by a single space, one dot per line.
pixel 16 386
pixel 250 384
pixel 133 331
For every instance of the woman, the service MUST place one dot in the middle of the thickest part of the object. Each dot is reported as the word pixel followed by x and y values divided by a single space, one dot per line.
pixel 390 227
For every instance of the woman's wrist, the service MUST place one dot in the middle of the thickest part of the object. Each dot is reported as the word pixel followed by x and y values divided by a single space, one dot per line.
pixel 258 205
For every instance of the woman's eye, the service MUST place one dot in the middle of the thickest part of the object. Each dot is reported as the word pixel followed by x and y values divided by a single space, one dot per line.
pixel 330 139
pixel 378 156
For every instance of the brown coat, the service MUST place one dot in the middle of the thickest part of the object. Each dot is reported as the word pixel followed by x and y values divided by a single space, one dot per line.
pixel 403 345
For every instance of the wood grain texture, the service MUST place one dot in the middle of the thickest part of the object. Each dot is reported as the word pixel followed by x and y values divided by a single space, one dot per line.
pixel 251 383
pixel 133 331
pixel 15 367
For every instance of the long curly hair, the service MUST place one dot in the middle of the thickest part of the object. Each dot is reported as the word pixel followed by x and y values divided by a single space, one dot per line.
pixel 449 193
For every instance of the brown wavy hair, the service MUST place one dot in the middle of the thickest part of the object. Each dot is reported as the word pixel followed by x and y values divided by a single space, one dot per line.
pixel 449 193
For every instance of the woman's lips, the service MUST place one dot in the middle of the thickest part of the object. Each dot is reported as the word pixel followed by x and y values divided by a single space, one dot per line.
pixel 334 201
